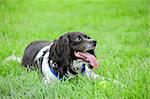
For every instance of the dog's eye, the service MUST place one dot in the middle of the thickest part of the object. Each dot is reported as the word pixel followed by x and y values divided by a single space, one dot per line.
pixel 78 39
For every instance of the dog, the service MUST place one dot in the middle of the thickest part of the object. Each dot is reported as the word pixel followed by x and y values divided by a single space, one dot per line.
pixel 63 58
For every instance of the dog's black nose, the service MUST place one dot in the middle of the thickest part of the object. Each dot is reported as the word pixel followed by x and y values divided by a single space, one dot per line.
pixel 94 42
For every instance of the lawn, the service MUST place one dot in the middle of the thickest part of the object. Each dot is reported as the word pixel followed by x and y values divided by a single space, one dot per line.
pixel 120 27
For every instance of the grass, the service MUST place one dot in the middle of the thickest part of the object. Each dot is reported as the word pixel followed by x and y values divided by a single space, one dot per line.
pixel 120 27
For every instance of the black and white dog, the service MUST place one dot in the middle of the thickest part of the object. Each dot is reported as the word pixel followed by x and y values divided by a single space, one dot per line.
pixel 71 54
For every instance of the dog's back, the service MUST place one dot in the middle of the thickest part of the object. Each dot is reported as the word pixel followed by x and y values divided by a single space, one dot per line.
pixel 31 51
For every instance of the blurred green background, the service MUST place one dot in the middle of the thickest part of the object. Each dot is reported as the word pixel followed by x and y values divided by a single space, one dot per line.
pixel 120 27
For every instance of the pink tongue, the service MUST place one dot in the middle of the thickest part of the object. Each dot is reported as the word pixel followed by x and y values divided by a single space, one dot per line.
pixel 87 57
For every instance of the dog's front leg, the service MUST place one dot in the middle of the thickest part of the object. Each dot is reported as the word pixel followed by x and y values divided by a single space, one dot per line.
pixel 93 75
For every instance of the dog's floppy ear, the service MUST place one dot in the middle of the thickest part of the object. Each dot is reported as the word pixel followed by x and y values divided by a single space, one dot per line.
pixel 64 51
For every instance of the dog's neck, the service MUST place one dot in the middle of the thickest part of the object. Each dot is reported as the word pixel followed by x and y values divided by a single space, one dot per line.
pixel 60 71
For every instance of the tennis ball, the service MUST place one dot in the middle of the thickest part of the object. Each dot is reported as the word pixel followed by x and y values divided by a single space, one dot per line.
pixel 104 84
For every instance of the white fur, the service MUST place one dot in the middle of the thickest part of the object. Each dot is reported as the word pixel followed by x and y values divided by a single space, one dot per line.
pixel 48 75
pixel 40 53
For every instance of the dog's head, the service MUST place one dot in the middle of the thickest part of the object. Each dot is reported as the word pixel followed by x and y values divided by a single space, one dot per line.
pixel 72 46
pixel 81 42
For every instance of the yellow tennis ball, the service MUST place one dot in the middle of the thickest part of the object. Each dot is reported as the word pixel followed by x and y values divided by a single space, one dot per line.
pixel 104 84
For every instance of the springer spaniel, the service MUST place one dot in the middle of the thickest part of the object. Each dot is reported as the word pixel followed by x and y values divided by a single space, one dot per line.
pixel 71 54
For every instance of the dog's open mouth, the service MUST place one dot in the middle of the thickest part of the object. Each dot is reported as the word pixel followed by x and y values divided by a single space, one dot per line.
pixel 87 57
